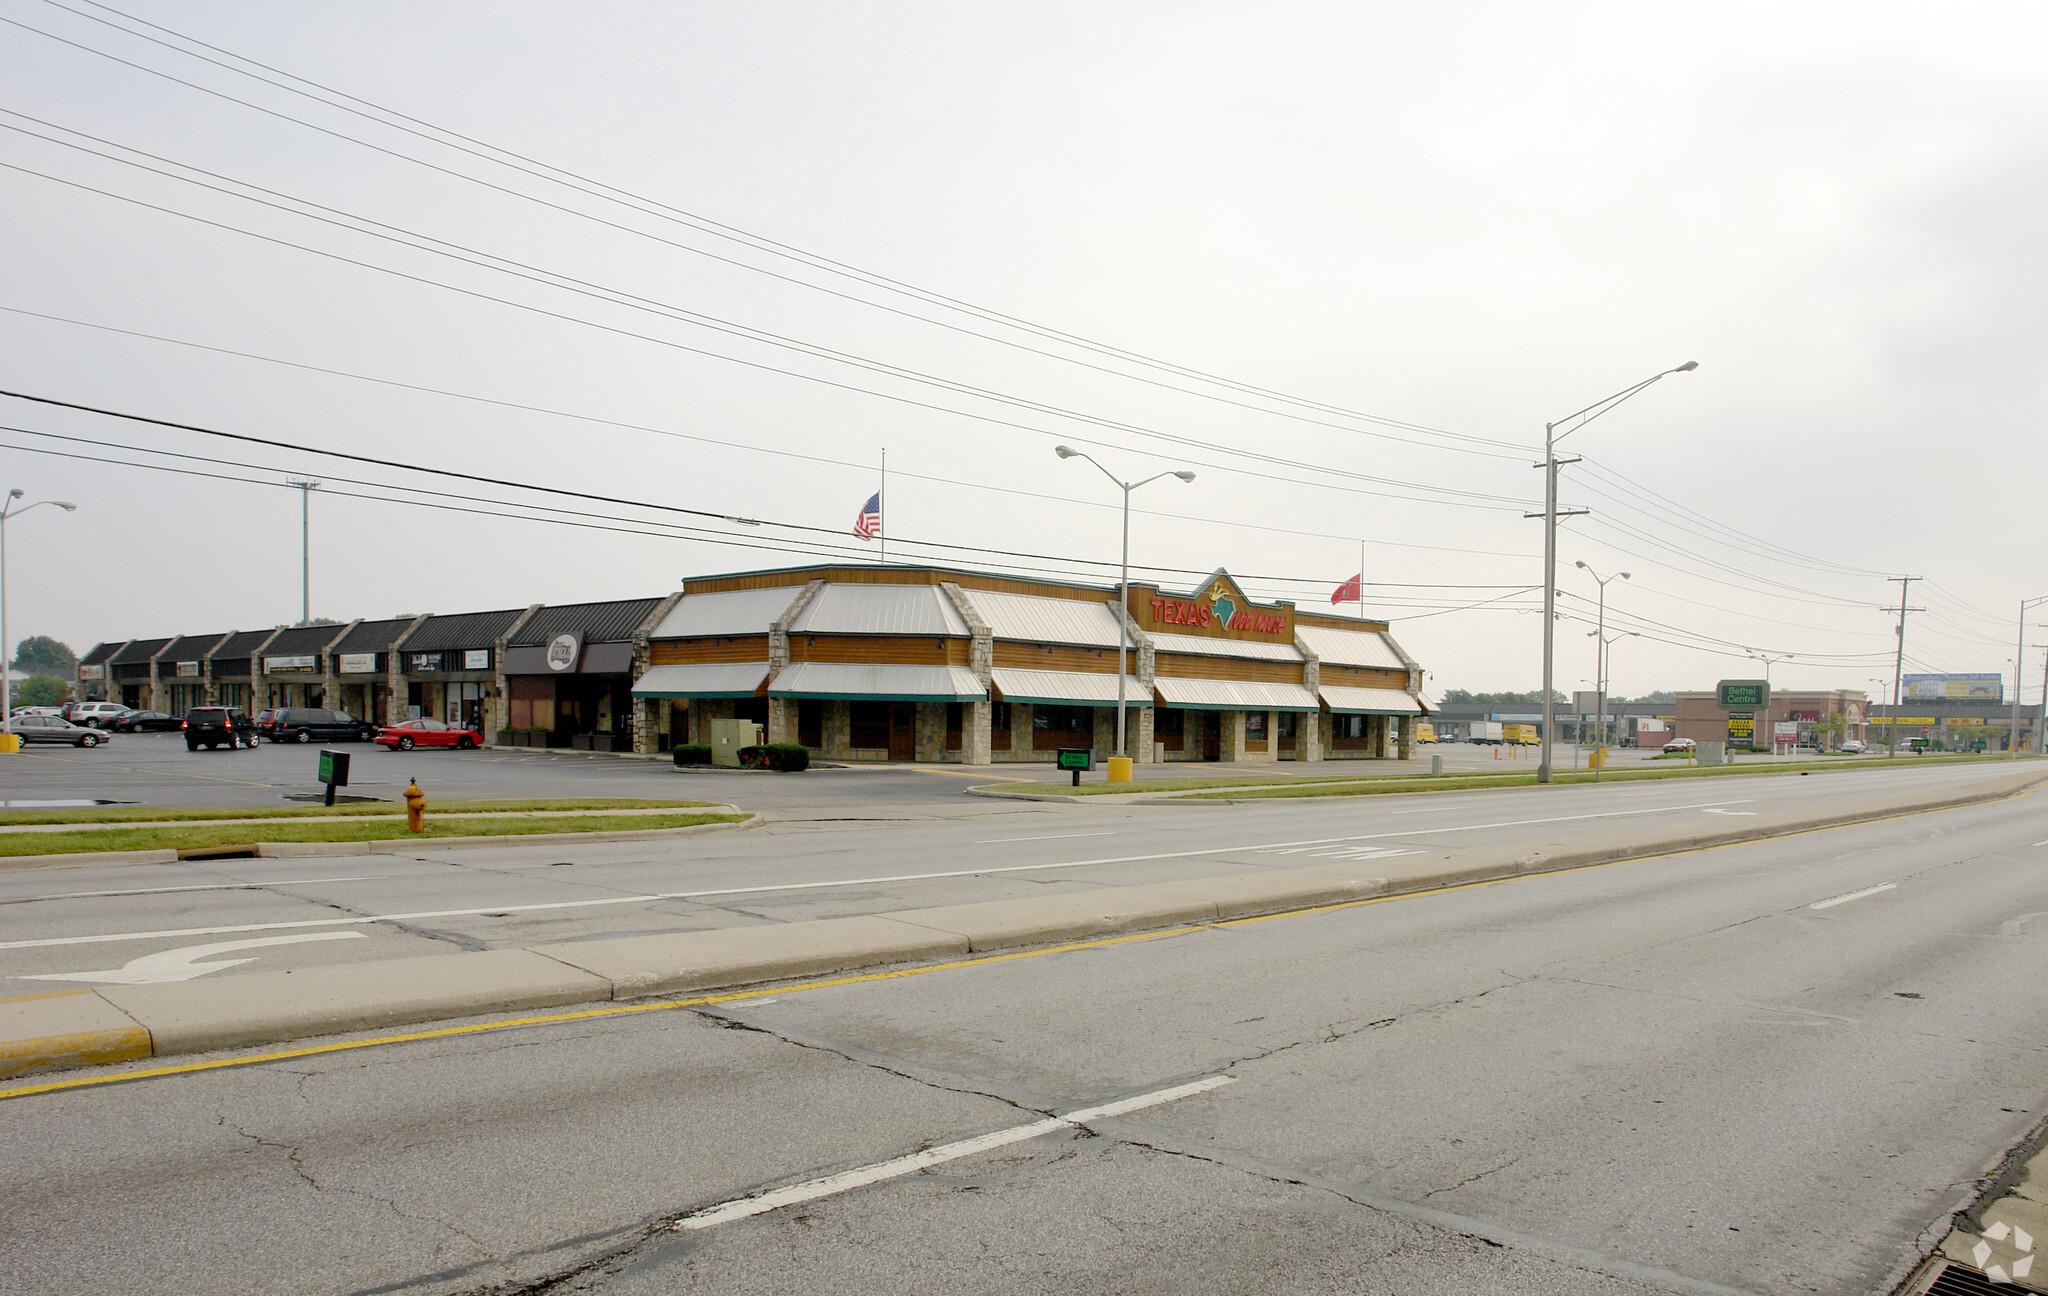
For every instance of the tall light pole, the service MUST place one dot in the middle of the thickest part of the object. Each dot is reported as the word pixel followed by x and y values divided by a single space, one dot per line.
pixel 1600 663
pixel 2019 664
pixel 1767 659
pixel 1601 676
pixel 305 490
pixel 1551 436
pixel 7 513
pixel 1123 630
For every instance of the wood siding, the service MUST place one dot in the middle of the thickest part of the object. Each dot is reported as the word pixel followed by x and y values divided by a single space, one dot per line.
pixel 1362 677
pixel 1330 622
pixel 1179 666
pixel 879 650
pixel 687 652
pixel 1060 657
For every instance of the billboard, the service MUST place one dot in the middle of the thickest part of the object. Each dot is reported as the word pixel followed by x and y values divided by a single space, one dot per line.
pixel 1970 688
pixel 1743 695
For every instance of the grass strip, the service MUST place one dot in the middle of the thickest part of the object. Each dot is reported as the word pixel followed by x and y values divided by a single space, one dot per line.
pixel 334 830
pixel 157 814
pixel 1452 783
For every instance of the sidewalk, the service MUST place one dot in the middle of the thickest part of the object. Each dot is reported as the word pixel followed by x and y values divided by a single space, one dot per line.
pixel 120 1023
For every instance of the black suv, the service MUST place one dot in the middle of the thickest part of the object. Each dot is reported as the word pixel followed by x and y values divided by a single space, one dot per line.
pixel 212 726
pixel 304 724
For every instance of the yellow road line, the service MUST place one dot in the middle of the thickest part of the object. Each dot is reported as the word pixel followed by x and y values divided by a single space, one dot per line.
pixel 755 992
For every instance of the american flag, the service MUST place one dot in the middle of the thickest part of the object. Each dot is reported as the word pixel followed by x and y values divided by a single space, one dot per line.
pixel 869 525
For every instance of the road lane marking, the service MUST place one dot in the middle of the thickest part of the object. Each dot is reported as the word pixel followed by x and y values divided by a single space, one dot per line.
pixel 179 964
pixel 848 1180
pixel 1717 810
pixel 999 841
pixel 54 942
pixel 1853 895
pixel 211 886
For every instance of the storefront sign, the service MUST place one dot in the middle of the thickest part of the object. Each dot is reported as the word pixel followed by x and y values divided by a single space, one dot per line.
pixel 1744 694
pixel 422 663
pixel 188 670
pixel 1220 613
pixel 92 672
pixel 563 650
pixel 358 664
pixel 1741 729
pixel 476 659
pixel 1785 731
pixel 308 662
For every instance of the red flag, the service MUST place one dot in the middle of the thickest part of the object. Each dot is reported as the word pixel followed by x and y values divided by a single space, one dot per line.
pixel 1351 591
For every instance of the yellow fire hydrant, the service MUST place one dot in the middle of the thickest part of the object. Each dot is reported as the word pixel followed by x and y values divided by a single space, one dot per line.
pixel 415 807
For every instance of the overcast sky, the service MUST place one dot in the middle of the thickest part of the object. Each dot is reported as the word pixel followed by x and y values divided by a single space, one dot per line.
pixel 1419 232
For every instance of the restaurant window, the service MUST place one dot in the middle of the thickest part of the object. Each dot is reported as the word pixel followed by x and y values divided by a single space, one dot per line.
pixel 810 722
pixel 1290 724
pixel 999 723
pixel 870 723
pixel 1169 728
pixel 1053 727
pixel 953 719
pixel 1255 726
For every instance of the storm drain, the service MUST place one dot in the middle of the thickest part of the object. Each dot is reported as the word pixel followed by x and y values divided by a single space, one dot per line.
pixel 1955 1280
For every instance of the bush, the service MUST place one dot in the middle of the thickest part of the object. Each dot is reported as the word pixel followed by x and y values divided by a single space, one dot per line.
pixel 693 754
pixel 789 758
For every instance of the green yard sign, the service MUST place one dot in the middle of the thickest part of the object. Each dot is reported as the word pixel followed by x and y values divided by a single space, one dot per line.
pixel 1076 758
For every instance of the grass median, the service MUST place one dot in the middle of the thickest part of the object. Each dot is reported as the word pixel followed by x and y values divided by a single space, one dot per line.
pixel 361 809
pixel 1264 786
pixel 203 836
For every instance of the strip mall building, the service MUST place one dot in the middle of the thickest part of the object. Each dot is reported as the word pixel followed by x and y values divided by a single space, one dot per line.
pixel 932 664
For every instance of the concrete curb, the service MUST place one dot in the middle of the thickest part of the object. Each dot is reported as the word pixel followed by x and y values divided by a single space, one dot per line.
pixel 388 846
pixel 89 1027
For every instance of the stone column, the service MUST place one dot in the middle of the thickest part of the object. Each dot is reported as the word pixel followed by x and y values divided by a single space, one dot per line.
pixel 1308 746
pixel 1104 744
pixel 1407 739
pixel 781 720
pixel 975 738
pixel 836 725
pixel 1139 726
pixel 1020 731
pixel 1232 723
pixel 931 731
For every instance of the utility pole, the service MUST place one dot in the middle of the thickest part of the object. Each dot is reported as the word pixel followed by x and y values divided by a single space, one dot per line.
pixel 2019 663
pixel 305 490
pixel 1891 747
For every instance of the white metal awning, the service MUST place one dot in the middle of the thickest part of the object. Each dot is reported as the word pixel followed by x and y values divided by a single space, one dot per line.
pixel 1067 687
pixel 1218 646
pixel 1369 701
pixel 878 683
pixel 713 680
pixel 1234 695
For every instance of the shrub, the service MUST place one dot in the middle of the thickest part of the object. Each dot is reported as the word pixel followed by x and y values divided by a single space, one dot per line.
pixel 693 754
pixel 789 758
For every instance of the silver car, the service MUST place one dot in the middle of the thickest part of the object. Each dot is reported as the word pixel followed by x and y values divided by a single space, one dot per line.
pixel 56 729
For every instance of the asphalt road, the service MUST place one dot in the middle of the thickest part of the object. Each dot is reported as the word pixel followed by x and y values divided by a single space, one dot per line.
pixel 91 924
pixel 1774 1068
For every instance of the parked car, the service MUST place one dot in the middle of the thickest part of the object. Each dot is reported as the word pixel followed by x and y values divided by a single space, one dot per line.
pixel 21 711
pixel 98 715
pixel 56 729
pixel 1680 745
pixel 304 724
pixel 1851 745
pixel 145 722
pixel 211 726
pixel 427 733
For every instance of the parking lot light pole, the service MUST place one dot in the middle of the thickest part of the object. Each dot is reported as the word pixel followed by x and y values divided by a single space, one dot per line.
pixel 1551 436
pixel 1123 631
pixel 8 512
pixel 1600 662
pixel 1767 659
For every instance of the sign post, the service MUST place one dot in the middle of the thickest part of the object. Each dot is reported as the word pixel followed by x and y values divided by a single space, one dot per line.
pixel 333 771
pixel 1076 759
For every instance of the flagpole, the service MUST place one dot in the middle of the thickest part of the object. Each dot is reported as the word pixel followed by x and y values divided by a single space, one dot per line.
pixel 882 497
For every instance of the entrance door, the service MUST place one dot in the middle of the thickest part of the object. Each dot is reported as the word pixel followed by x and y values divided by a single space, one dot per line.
pixel 1212 735
pixel 903 731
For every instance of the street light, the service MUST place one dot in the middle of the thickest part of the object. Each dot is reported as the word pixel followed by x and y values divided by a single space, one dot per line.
pixel 1551 436
pixel 1600 662
pixel 2013 740
pixel 7 513
pixel 1767 659
pixel 1601 679
pixel 1123 632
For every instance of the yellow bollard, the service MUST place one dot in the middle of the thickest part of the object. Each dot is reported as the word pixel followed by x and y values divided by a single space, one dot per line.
pixel 415 807
pixel 10 742
pixel 1119 769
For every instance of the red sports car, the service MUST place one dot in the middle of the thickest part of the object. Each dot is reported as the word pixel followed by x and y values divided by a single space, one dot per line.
pixel 427 733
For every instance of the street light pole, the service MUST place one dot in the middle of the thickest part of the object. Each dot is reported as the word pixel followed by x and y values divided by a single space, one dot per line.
pixel 1767 659
pixel 7 513
pixel 2019 664
pixel 305 490
pixel 1551 436
pixel 1600 665
pixel 1601 676
pixel 1123 618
